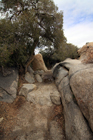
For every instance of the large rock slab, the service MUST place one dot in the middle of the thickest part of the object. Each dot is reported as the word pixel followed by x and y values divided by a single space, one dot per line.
pixel 8 86
pixel 76 127
pixel 59 73
pixel 82 86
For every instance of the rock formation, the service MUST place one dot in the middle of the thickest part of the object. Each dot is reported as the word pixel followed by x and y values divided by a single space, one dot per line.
pixel 8 86
pixel 38 63
pixel 86 53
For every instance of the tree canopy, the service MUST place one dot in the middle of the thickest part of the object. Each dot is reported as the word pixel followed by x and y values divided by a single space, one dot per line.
pixel 28 24
pixel 52 56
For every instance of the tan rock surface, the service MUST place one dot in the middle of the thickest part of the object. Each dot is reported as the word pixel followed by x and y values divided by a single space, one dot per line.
pixel 38 63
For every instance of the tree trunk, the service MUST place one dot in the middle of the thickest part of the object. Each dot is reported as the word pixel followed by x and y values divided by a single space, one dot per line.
pixel 31 58
pixel 29 62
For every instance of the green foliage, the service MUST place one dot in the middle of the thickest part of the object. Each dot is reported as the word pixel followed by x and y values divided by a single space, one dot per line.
pixel 66 51
pixel 28 24
pixel 52 56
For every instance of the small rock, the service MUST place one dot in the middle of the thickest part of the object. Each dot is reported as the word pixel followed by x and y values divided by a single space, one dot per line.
pixel 29 78
pixel 26 88
pixel 38 78
pixel 30 70
pixel 55 98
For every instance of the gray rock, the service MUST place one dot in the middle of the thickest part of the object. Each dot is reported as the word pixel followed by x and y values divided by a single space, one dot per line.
pixel 55 98
pixel 40 72
pixel 5 96
pixel 38 78
pixel 59 74
pixel 78 68
pixel 30 70
pixel 82 86
pixel 38 97
pixel 6 71
pixel 26 88
pixel 9 85
pixel 29 78
pixel 76 127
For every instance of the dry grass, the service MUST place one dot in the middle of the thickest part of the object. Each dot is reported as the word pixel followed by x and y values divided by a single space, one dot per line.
pixel 58 116
pixel 9 113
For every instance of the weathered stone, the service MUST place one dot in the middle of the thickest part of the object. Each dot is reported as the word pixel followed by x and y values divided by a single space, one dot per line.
pixel 76 127
pixel 78 68
pixel 29 78
pixel 6 71
pixel 82 86
pixel 55 98
pixel 38 78
pixel 86 53
pixel 9 85
pixel 37 135
pixel 59 73
pixel 48 76
pixel 37 97
pixel 40 72
pixel 55 131
pixel 1 119
pixel 26 88
pixel 30 70
pixel 5 96
pixel 21 137
pixel 38 63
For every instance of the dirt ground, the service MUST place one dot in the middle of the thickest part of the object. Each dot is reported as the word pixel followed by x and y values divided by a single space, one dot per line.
pixel 9 114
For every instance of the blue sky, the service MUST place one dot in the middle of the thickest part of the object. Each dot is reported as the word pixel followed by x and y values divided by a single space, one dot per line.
pixel 78 20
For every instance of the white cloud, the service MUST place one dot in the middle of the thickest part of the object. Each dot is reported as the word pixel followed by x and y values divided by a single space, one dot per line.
pixel 78 20
pixel 80 34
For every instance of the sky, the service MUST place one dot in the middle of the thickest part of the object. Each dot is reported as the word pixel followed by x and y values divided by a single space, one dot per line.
pixel 77 20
